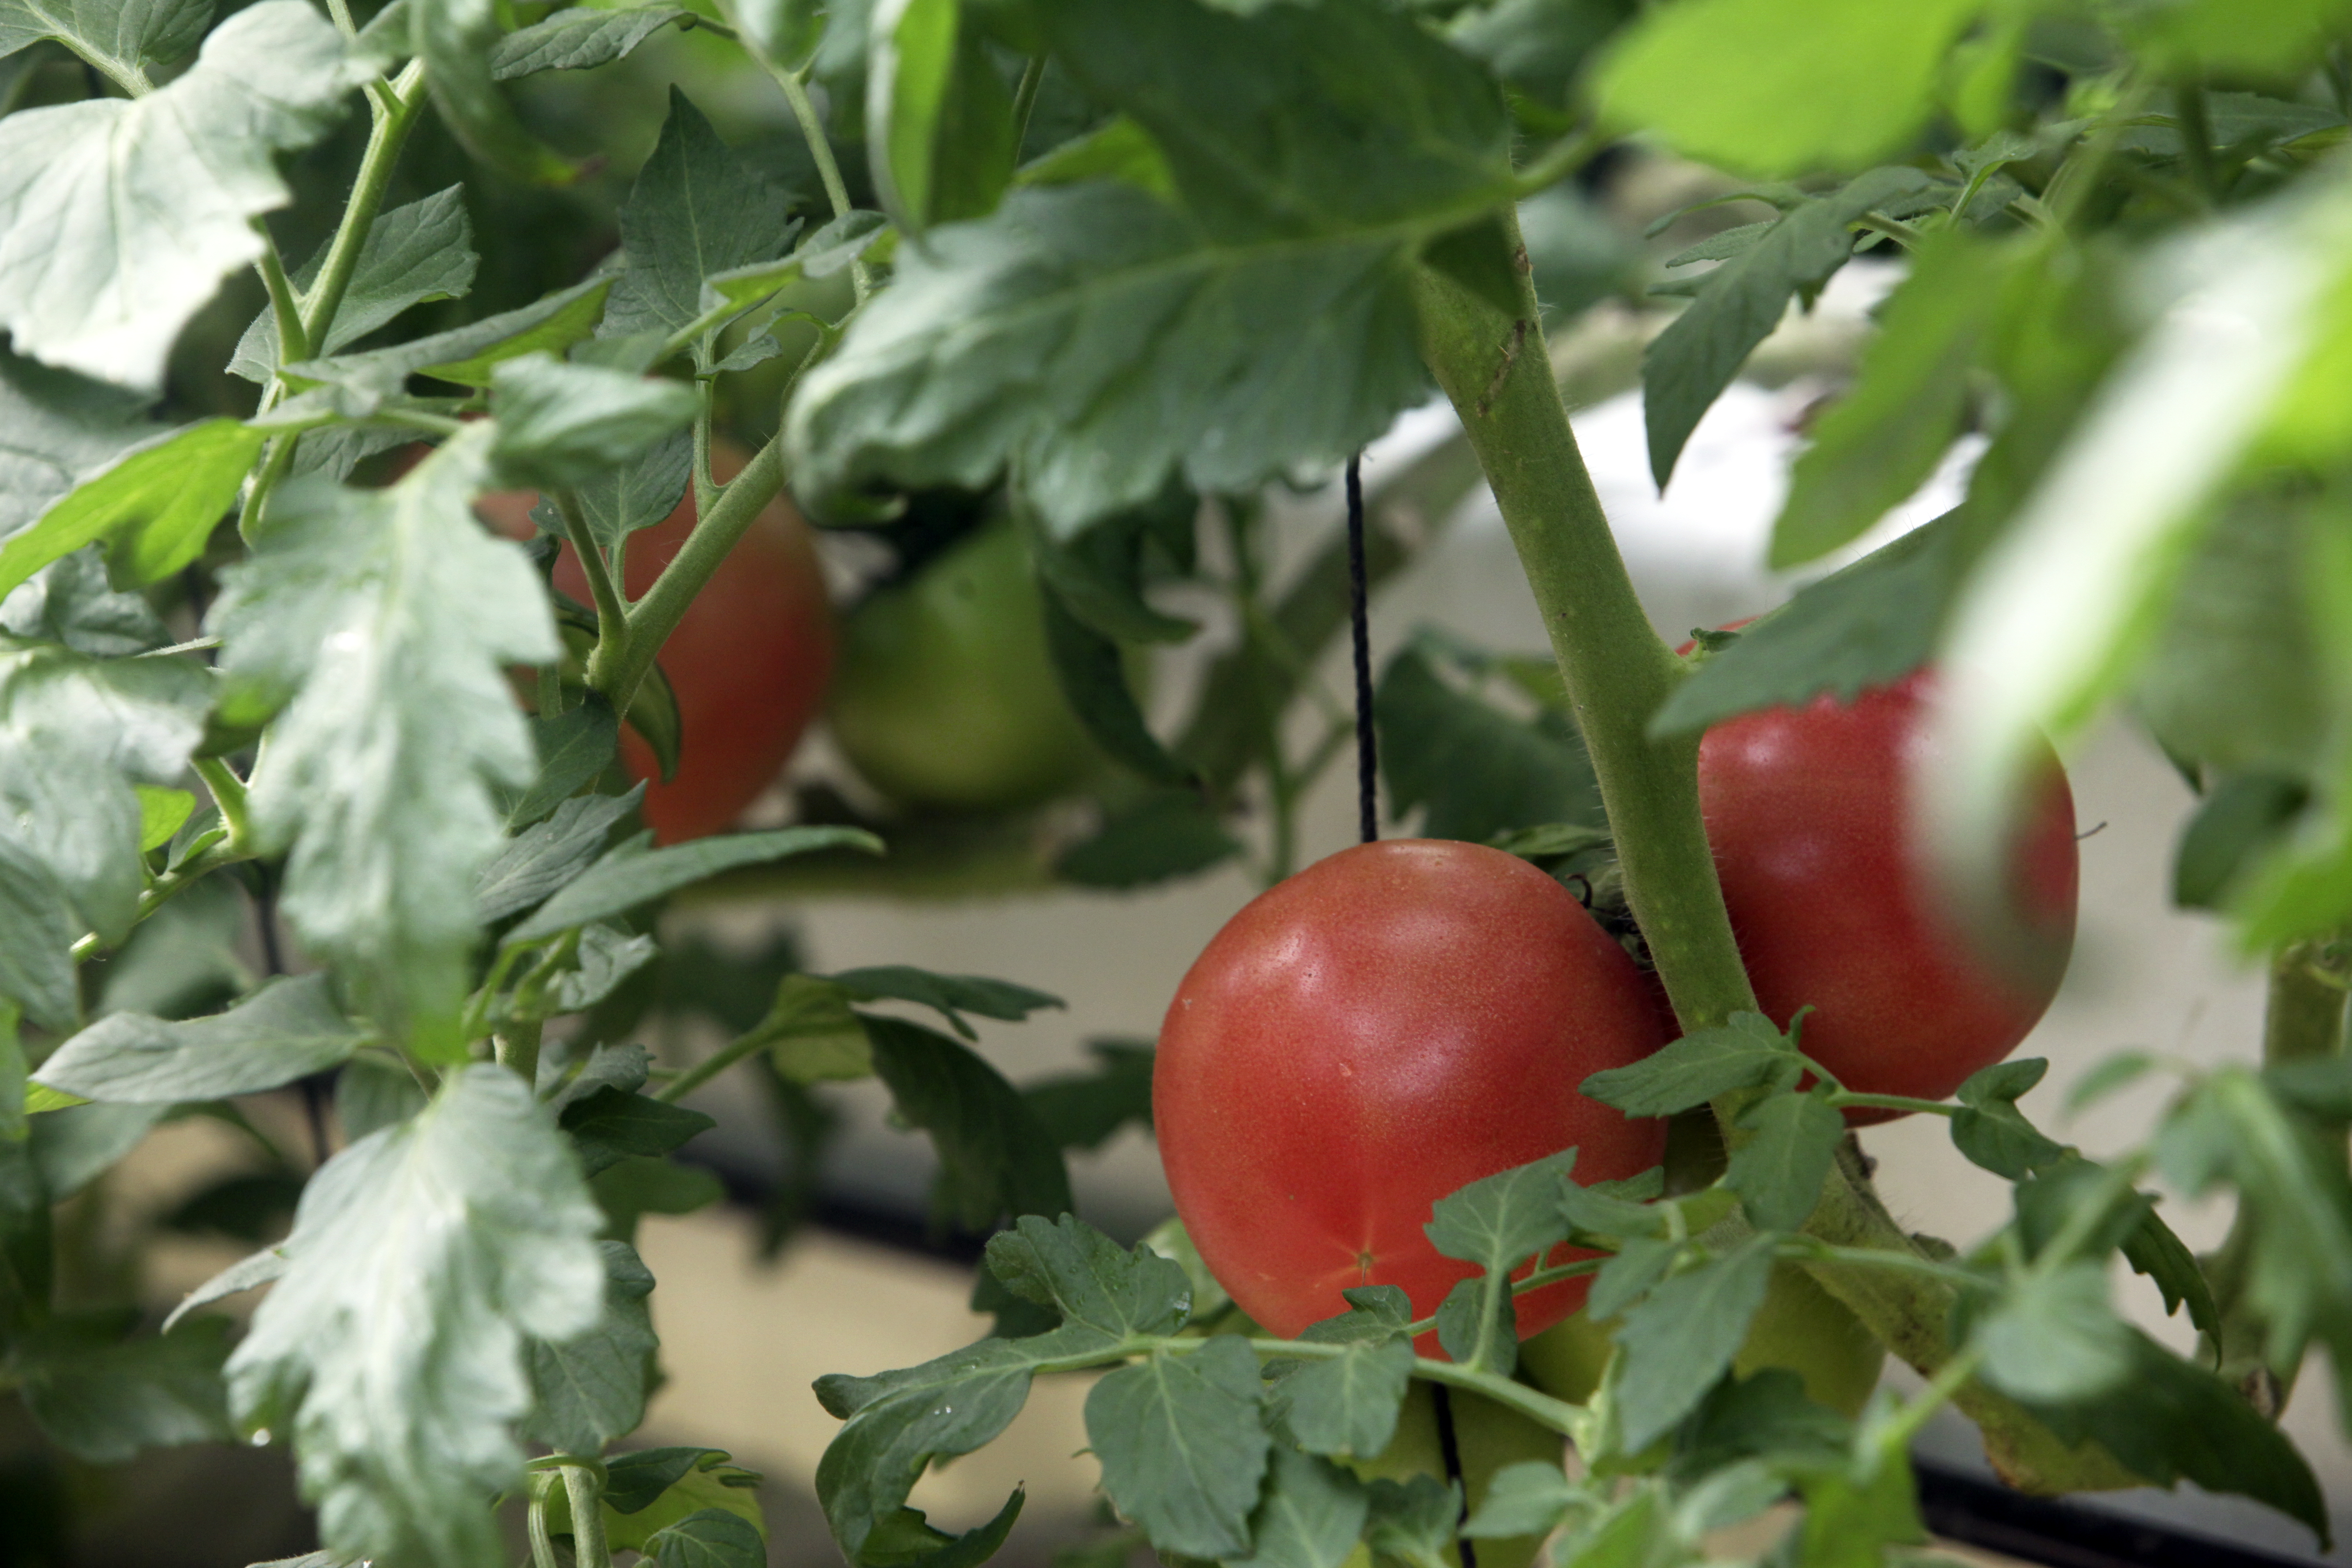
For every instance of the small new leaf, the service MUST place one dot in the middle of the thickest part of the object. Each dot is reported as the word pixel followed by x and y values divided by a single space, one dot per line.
pixel 1748 1052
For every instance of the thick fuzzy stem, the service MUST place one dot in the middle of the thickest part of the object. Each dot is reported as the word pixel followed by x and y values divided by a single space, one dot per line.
pixel 1493 364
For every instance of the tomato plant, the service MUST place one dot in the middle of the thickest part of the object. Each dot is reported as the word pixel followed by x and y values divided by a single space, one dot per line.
pixel 1427 1009
pixel 1836 909
pixel 1132 275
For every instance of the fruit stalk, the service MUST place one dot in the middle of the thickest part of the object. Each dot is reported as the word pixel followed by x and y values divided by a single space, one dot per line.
pixel 1494 368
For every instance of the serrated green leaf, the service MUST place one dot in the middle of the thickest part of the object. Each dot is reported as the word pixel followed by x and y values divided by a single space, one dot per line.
pixel 1877 444
pixel 1309 1516
pixel 1997 1137
pixel 60 427
pixel 648 1491
pixel 605 957
pixel 1737 306
pixel 906 1540
pixel 118 217
pixel 950 995
pixel 1779 1172
pixel 1853 1514
pixel 103 1398
pixel 1092 672
pixel 619 883
pixel 412 254
pixel 996 1158
pixel 466 355
pixel 1526 1499
pixel 815 1036
pixel 587 1390
pixel 546 856
pixel 1165 834
pixel 1478 770
pixel 1091 1281
pixel 71 601
pixel 697 209
pixel 1745 84
pixel 154 508
pixel 1086 1110
pixel 1678 1341
pixel 613 1124
pixel 1640 1262
pixel 619 500
pixel 120 37
pixel 576 39
pixel 820 254
pixel 1412 1522
pixel 288 1029
pixel 574 747
pixel 1866 626
pixel 1348 1406
pixel 560 425
pixel 2053 1338
pixel 384 622
pixel 1748 1052
pixel 633 1481
pixel 708 1538
pixel 2155 1250
pixel 1498 1223
pixel 393 1350
pixel 1183 1445
pixel 458 40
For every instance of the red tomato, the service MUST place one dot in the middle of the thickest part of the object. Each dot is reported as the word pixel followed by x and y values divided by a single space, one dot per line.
pixel 1808 811
pixel 748 661
pixel 1390 1025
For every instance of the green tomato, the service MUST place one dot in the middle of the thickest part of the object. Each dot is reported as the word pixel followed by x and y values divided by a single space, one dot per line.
pixel 1488 1436
pixel 1800 1327
pixel 945 696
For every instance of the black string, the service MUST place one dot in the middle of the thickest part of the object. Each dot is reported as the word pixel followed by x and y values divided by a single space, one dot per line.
pixel 1452 1450
pixel 1367 763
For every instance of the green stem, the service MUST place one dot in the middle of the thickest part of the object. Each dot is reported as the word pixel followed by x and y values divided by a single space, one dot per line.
pixel 2197 137
pixel 758 1037
pixel 293 340
pixel 1024 101
pixel 584 1488
pixel 820 146
pixel 1560 159
pixel 617 672
pixel 542 1543
pixel 611 610
pixel 396 116
pixel 229 793
pixel 1844 1097
pixel 517 1050
pixel 1494 367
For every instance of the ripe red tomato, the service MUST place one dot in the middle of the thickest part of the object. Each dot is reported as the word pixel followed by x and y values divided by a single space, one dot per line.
pixel 749 660
pixel 1808 810
pixel 1391 1024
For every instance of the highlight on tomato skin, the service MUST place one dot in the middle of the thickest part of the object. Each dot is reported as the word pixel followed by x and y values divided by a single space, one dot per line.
pixel 1809 813
pixel 1390 1025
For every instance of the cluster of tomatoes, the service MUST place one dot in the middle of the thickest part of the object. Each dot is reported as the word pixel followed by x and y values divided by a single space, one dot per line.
pixel 1405 1017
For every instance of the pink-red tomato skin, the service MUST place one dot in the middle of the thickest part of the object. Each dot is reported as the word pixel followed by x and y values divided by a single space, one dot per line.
pixel 1384 1027
pixel 1808 811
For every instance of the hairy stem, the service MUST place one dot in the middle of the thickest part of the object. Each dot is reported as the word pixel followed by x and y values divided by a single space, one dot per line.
pixel 611 610
pixel 617 672
pixel 1494 368
pixel 293 340
pixel 584 1488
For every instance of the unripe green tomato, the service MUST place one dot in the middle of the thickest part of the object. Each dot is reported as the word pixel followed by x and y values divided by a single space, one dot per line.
pixel 945 696
pixel 1800 1327
pixel 1489 1437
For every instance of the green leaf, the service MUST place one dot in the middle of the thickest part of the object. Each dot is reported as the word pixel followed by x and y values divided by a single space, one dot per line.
pixel 102 1398
pixel 590 1388
pixel 1413 1523
pixel 576 39
pixel 458 41
pixel 950 995
pixel 2169 1420
pixel 820 254
pixel 546 856
pixel 1092 672
pixel 1531 1497
pixel 2214 34
pixel 1678 1341
pixel 1876 445
pixel 288 1030
pixel 621 882
pixel 1164 835
pixel 1086 1110
pixel 605 957
pixel 384 622
pixel 2240 819
pixel 906 1540
pixel 120 37
pixel 412 254
pixel 996 1158
pixel 1779 1173
pixel 1747 85
pixel 161 813
pixel 1118 149
pixel 1478 770
pixel 613 1124
pixel 372 1093
pixel 1183 1443
pixel 1104 344
pixel 816 1037
pixel 562 424
pixel 2155 1250
pixel 1310 1515
pixel 1539 46
pixel 118 217
pixel 1498 1223
pixel 1853 1514
pixel 154 508
pixel 249 1273
pixel 1989 1129
pixel 939 120
pixel 651 1489
pixel 1687 366
pixel 37 931
pixel 1091 1279
pixel 1866 626
pixel 392 1353
pixel 697 209
pixel 71 601
pixel 1375 1312
pixel 635 1481
pixel 2053 1338
pixel 60 427
pixel 617 502
pixel 1748 1052
pixel 574 747
pixel 466 355
pixel 708 1538
pixel 1346 1406
pixel 73 1147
